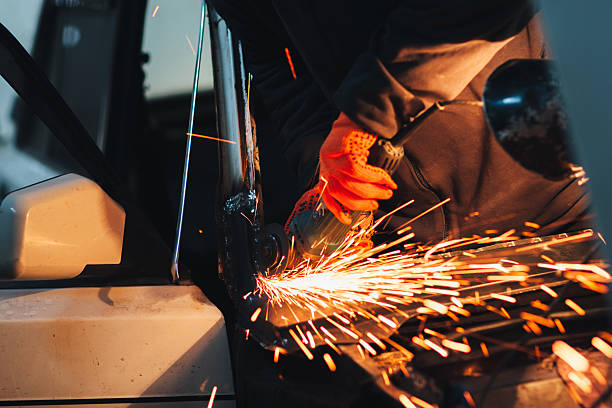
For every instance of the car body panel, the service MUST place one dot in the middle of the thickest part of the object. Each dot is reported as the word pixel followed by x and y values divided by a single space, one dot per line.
pixel 111 342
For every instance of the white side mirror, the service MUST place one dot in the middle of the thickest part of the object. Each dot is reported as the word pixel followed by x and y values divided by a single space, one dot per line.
pixel 53 229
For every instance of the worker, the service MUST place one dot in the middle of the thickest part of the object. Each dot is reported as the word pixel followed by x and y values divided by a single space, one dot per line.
pixel 334 75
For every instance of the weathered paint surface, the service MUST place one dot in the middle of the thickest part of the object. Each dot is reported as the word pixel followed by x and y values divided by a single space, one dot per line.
pixel 117 342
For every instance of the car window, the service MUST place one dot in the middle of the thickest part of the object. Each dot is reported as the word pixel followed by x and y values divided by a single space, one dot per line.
pixel 170 40
pixel 19 167
pixel 20 17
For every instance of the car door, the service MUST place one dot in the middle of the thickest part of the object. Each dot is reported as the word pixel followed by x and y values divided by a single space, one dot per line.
pixel 115 335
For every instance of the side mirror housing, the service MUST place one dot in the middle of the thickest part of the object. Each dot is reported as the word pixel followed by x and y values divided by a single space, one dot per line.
pixel 53 229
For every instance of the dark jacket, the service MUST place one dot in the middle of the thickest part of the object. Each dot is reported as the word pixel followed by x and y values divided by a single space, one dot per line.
pixel 381 62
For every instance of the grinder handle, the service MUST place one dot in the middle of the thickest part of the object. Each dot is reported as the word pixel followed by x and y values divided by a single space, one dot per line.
pixel 388 153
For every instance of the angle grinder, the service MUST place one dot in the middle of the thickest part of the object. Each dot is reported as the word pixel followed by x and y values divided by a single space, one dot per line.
pixel 522 106
pixel 318 232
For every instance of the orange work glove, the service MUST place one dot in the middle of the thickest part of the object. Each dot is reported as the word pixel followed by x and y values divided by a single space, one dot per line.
pixel 347 181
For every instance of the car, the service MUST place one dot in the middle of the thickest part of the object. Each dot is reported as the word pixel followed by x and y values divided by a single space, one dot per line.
pixel 88 312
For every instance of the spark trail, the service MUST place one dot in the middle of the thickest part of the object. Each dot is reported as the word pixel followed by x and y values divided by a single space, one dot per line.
pixel 397 281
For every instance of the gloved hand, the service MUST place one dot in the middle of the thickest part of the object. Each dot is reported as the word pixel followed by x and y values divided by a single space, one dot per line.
pixel 346 181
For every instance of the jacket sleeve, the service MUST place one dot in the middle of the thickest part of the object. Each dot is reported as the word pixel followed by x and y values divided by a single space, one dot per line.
pixel 424 52
pixel 296 106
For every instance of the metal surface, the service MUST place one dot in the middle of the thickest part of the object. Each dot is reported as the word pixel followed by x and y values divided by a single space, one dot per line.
pixel 111 342
pixel 239 214
pixel 286 317
pixel 174 272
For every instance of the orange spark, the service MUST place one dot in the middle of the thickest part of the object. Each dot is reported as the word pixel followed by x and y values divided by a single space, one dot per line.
pixel 406 229
pixel 255 314
pixel 602 346
pixel 537 319
pixel 211 401
pixel 420 342
pixel 328 334
pixel 456 301
pixel 290 61
pixel 361 352
pixel 366 346
pixel 468 398
pixel 605 335
pixel 574 306
pixel 549 291
pixel 406 401
pixel 387 321
pixel 537 304
pixel 586 267
pixel 441 203
pixel 535 329
pixel 547 258
pixel 485 350
pixel 581 381
pixel 556 241
pixel 330 363
pixel 569 354
pixel 210 137
pixel 507 278
pixel 438 349
pixel 459 310
pixel 385 377
pixel 190 45
pixel 559 326
pixel 276 354
pixel 532 225
pixel 155 11
pixel 437 306
pixel 376 340
pixel 433 333
pixel 310 339
pixel 302 336
pixel 602 238
pixel 598 376
pixel 505 298
pixel 454 345
pixel 333 346
pixel 589 284
pixel 421 403
pixel 400 348
pixel 301 345
pixel 342 328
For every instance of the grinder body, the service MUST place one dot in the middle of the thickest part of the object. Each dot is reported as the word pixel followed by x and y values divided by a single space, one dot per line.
pixel 318 232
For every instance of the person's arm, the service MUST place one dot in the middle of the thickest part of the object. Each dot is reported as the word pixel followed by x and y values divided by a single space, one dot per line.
pixel 299 110
pixel 424 52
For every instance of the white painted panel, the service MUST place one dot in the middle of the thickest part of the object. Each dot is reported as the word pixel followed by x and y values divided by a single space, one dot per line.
pixel 111 343
pixel 189 404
